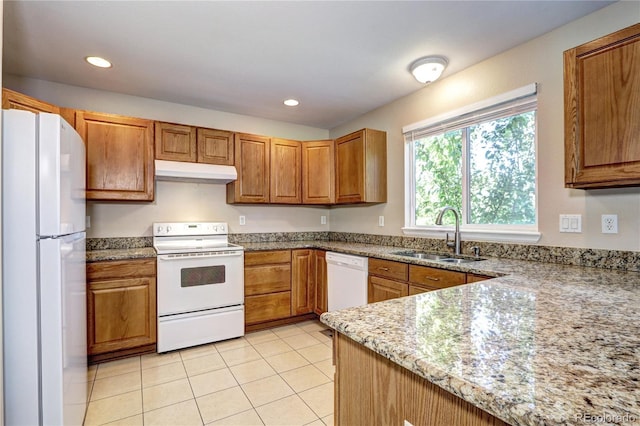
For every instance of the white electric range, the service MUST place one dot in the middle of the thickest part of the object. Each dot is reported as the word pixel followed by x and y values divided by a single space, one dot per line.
pixel 200 281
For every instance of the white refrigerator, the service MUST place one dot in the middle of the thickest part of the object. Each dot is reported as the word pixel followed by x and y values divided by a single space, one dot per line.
pixel 43 270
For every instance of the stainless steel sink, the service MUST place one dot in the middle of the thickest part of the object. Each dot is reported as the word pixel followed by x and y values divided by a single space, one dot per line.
pixel 436 257
pixel 421 255
pixel 457 260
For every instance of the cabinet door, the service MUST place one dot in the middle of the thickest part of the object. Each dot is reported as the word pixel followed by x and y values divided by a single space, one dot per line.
pixel 252 163
pixel 474 278
pixel 350 168
pixel 121 314
pixel 263 279
pixel 119 156
pixel 318 177
pixel 175 142
pixel 383 289
pixel 302 281
pixel 15 100
pixel 361 167
pixel 320 305
pixel 602 100
pixel 215 147
pixel 285 172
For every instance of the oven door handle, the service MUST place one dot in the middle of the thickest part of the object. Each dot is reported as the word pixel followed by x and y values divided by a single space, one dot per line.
pixel 166 257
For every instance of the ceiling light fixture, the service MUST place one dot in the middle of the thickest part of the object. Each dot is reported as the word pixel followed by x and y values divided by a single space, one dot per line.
pixel 428 69
pixel 97 61
pixel 291 102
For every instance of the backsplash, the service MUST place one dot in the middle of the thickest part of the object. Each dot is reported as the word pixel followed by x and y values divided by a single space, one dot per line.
pixel 597 258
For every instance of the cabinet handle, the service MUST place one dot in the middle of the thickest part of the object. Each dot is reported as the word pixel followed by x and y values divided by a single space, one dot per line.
pixel 383 269
pixel 432 279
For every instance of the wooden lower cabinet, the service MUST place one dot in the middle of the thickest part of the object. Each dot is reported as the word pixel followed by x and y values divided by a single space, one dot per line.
pixel 320 304
pixel 267 286
pixel 267 307
pixel 372 390
pixel 380 289
pixel 121 308
pixel 474 278
pixel 302 281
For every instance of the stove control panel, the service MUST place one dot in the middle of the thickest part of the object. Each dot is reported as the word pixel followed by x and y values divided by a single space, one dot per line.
pixel 168 229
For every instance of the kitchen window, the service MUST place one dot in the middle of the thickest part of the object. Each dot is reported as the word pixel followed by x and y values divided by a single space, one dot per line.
pixel 481 160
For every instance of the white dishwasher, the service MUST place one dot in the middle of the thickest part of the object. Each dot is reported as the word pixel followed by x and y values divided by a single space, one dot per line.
pixel 346 281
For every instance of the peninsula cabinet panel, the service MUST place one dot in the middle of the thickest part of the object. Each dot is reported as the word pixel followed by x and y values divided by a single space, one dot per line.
pixel 320 304
pixel 215 147
pixel 372 390
pixel 175 142
pixel 15 100
pixel 602 111
pixel 285 172
pixel 361 167
pixel 252 159
pixel 318 172
pixel 121 308
pixel 302 281
pixel 119 156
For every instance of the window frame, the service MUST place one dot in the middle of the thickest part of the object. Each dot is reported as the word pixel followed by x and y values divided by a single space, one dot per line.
pixel 477 232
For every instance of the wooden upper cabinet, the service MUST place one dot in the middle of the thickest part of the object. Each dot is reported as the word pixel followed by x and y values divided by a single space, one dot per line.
pixel 361 167
pixel 15 100
pixel 285 172
pixel 215 147
pixel 318 172
pixel 602 111
pixel 119 156
pixel 252 162
pixel 175 142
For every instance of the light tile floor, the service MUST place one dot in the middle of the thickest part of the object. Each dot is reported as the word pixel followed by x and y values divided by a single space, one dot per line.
pixel 280 376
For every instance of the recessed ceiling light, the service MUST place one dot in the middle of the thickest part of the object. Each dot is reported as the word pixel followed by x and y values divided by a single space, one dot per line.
pixel 291 102
pixel 98 61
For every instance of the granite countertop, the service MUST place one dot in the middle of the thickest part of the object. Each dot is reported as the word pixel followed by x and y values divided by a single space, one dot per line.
pixel 543 344
pixel 120 254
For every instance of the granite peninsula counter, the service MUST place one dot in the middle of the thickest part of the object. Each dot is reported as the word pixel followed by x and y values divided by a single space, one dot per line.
pixel 543 344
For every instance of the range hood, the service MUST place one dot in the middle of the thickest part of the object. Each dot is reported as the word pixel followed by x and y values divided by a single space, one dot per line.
pixel 194 172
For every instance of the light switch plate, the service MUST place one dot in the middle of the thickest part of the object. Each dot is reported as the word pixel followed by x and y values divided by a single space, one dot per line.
pixel 571 223
pixel 242 220
pixel 380 220
pixel 323 220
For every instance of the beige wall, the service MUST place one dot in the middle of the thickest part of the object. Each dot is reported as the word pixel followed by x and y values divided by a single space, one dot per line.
pixel 179 201
pixel 539 60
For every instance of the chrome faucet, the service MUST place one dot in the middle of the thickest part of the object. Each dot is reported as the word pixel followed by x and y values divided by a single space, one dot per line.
pixel 456 239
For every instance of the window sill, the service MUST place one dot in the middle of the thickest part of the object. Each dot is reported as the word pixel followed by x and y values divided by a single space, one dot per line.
pixel 506 236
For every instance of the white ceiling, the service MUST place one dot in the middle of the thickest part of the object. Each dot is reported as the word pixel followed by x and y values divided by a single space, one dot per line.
pixel 340 59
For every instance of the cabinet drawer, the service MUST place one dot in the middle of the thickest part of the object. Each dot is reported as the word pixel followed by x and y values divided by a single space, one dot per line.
pixel 267 307
pixel 267 279
pixel 121 269
pixel 389 269
pixel 434 277
pixel 267 257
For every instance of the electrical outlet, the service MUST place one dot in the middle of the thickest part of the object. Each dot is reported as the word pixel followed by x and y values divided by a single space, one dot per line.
pixel 380 220
pixel 242 220
pixel 87 222
pixel 609 223
pixel 323 220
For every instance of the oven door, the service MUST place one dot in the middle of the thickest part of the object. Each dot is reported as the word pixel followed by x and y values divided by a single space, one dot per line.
pixel 195 282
